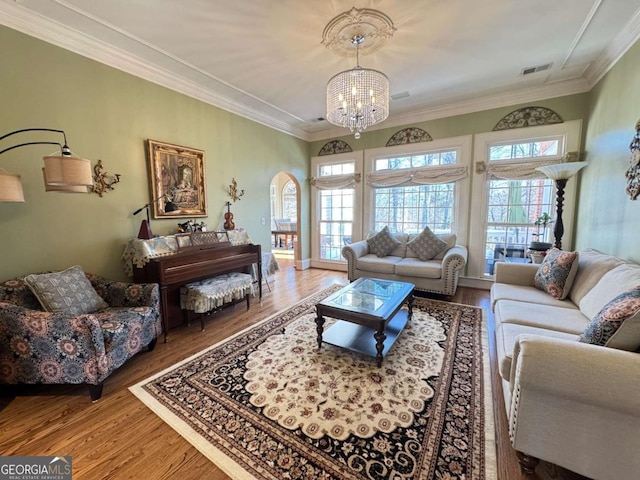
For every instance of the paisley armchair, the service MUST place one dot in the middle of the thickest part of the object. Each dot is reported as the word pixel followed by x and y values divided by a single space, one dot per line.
pixel 39 347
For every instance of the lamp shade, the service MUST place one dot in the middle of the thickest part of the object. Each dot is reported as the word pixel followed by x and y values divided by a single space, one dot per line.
pixel 170 207
pixel 67 171
pixel 62 189
pixel 562 171
pixel 10 188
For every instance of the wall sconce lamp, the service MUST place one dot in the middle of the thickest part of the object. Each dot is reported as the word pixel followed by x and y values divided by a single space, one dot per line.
pixel 62 173
pixel 561 173
pixel 145 227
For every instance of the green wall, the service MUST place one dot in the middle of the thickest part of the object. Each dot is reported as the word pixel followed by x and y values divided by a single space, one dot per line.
pixel 607 218
pixel 107 115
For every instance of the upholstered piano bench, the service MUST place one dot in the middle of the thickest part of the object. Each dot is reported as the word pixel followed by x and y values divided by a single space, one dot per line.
pixel 206 296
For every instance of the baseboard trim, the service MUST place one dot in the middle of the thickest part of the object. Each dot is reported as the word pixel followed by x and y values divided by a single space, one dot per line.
pixel 481 283
pixel 303 264
pixel 327 265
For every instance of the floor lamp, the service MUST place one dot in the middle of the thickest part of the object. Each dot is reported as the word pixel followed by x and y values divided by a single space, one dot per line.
pixel 560 173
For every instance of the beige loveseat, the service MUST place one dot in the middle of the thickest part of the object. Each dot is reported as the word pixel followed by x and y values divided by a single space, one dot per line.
pixel 573 404
pixel 438 275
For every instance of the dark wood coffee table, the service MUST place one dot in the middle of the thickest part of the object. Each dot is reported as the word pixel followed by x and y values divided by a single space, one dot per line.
pixel 369 316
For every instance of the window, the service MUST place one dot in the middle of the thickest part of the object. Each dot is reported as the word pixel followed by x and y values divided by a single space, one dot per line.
pixel 513 207
pixel 289 201
pixel 410 209
pixel 416 185
pixel 532 149
pixel 336 222
pixel 272 200
pixel 440 158
pixel 337 209
pixel 407 187
pixel 511 195
pixel 338 169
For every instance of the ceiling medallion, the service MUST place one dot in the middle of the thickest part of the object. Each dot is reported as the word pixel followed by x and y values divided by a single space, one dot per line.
pixel 375 26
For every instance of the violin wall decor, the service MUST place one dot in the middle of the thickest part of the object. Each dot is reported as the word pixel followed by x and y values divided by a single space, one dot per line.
pixel 228 218
pixel 235 195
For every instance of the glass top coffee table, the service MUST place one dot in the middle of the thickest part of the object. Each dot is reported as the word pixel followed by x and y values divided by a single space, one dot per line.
pixel 369 315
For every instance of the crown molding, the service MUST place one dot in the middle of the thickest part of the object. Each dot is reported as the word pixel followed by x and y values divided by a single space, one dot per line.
pixel 625 39
pixel 35 25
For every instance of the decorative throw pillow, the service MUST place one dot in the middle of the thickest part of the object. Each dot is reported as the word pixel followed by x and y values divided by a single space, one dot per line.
pixel 556 273
pixel 426 245
pixel 610 319
pixel 382 243
pixel 68 292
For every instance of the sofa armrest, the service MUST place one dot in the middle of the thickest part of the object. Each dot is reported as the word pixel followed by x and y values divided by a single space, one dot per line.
pixel 515 273
pixel 588 374
pixel 57 337
pixel 576 405
pixel 455 259
pixel 352 252
pixel 453 262
pixel 122 294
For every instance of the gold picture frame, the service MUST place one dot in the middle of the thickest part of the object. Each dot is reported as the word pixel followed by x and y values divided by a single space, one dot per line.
pixel 177 180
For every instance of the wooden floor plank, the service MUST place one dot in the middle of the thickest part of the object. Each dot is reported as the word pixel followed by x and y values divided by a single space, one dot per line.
pixel 118 437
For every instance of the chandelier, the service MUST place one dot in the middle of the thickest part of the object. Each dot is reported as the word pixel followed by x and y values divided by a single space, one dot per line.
pixel 357 98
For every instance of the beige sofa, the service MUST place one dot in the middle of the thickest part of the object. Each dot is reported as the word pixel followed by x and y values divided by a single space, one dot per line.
pixel 438 275
pixel 573 404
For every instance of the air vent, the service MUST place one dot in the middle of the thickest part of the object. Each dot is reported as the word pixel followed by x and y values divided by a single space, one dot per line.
pixel 539 68
pixel 316 120
pixel 400 95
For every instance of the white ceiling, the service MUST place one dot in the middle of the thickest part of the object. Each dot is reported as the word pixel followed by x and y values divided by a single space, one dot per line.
pixel 263 59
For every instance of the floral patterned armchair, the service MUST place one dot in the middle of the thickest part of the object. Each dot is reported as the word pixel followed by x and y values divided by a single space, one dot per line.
pixel 55 348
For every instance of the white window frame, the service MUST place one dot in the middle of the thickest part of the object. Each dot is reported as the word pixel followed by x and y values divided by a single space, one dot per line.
pixel 316 162
pixel 462 146
pixel 569 131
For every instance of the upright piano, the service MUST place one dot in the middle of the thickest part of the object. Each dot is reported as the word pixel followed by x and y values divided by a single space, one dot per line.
pixel 195 263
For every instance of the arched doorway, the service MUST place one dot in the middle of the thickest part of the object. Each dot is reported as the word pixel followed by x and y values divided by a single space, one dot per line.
pixel 285 216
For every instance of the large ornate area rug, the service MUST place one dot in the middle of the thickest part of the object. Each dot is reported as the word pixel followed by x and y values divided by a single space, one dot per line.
pixel 268 404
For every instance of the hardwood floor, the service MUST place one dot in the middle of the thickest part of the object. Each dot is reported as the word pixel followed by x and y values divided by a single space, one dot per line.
pixel 118 437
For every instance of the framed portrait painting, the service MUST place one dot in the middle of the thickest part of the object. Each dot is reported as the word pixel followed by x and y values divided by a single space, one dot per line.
pixel 177 180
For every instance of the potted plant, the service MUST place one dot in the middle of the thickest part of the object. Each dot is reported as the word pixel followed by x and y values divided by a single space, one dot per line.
pixel 539 244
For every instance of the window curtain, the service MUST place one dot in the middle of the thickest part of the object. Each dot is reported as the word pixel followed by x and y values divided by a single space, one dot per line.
pixel 417 176
pixel 335 182
pixel 517 170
